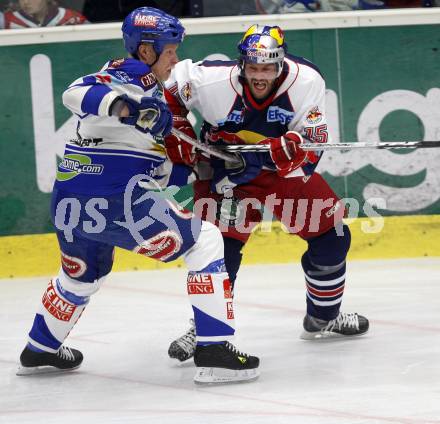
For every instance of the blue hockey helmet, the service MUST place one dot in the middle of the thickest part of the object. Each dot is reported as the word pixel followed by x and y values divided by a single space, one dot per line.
pixel 151 25
pixel 262 44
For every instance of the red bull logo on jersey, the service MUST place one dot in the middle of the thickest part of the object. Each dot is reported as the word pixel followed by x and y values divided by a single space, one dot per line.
pixel 314 116
pixel 200 284
pixel 278 114
pixel 185 92
pixel 59 308
pixel 145 20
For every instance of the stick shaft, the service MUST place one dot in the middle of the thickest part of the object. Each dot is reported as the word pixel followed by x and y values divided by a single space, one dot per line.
pixel 335 146
pixel 225 151
pixel 213 151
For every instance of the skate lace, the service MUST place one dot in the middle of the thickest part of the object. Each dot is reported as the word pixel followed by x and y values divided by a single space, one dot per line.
pixel 66 353
pixel 343 320
pixel 187 341
pixel 235 351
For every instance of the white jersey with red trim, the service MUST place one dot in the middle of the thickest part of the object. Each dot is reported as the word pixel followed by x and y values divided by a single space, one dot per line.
pixel 218 92
pixel 57 16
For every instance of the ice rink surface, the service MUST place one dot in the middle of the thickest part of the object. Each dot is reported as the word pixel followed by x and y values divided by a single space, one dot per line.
pixel 391 375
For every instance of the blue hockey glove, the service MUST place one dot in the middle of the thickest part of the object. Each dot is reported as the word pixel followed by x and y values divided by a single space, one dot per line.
pixel 226 177
pixel 149 116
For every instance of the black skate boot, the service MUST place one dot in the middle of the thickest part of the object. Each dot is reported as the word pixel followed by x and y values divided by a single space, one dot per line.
pixel 343 325
pixel 66 359
pixel 223 363
pixel 183 348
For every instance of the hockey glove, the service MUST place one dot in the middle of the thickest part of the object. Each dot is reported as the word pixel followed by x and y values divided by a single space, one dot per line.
pixel 178 150
pixel 227 176
pixel 149 116
pixel 286 152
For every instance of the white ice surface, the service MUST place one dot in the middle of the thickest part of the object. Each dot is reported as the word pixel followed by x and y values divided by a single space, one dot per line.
pixel 391 375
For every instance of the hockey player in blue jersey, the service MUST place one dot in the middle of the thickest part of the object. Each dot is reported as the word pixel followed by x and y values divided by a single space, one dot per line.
pixel 266 96
pixel 98 203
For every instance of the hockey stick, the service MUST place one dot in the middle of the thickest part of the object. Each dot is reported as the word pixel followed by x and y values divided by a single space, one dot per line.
pixel 212 151
pixel 335 146
pixel 221 151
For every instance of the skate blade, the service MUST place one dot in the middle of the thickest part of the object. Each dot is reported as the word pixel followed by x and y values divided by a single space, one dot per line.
pixel 326 335
pixel 205 375
pixel 42 370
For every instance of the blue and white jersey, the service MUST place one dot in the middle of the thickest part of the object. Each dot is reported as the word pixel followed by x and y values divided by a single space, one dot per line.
pixel 106 153
pixel 216 90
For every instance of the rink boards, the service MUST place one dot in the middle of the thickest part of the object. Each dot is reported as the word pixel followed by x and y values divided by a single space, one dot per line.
pixel 400 237
pixel 364 103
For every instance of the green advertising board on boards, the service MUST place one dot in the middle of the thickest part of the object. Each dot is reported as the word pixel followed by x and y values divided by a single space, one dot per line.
pixel 383 84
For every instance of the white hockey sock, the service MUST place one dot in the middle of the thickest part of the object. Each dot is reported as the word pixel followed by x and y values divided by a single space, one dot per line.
pixel 56 317
pixel 212 303
pixel 209 287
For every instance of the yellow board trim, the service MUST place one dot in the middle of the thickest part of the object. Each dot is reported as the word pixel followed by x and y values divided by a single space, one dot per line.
pixel 401 237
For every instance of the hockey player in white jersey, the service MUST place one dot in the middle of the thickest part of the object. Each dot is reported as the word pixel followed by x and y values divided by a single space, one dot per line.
pixel 97 204
pixel 266 96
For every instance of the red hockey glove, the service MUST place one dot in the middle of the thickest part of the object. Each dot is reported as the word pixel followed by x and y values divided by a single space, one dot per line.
pixel 179 151
pixel 177 107
pixel 286 152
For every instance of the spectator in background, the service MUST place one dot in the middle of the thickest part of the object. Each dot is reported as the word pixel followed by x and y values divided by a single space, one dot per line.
pixel 295 6
pixel 117 10
pixel 39 13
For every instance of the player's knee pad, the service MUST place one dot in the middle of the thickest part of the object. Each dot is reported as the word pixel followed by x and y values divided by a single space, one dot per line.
pixel 330 248
pixel 207 250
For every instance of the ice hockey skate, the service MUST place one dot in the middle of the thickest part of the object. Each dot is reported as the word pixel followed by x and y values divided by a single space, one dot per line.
pixel 184 347
pixel 66 359
pixel 344 325
pixel 223 363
